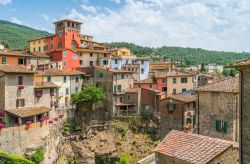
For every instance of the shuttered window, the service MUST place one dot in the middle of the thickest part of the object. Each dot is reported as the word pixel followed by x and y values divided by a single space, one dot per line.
pixel 221 126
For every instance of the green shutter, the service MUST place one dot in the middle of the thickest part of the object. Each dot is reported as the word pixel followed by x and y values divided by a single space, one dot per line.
pixel 3 60
pixel 225 127
pixel 67 91
pixel 114 89
pixel 218 125
pixel 64 79
pixel 49 78
pixel 76 90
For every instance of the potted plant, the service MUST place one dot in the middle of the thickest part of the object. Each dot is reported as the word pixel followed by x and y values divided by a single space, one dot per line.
pixel 20 87
pixel 28 123
pixel 39 95
pixel 61 116
pixel 52 94
pixel 41 120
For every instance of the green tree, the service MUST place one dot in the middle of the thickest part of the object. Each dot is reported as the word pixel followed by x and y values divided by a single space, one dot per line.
pixel 203 69
pixel 88 97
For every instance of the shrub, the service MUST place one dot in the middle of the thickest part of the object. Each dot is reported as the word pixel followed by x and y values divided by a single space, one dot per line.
pixel 38 156
pixel 13 159
pixel 126 159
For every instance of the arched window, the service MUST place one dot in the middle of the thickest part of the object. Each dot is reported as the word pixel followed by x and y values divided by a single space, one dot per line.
pixel 73 44
pixel 59 44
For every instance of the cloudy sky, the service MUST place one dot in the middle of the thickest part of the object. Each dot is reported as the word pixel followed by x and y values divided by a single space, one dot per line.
pixel 209 24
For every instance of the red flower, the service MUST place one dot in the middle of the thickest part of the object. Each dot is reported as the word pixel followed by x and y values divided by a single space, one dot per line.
pixel 2 126
pixel 50 122
pixel 55 119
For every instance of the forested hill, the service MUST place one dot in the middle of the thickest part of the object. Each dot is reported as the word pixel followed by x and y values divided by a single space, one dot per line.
pixel 17 36
pixel 188 56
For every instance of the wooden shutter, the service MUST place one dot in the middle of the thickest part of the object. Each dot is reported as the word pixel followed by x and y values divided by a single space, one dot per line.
pixel 225 127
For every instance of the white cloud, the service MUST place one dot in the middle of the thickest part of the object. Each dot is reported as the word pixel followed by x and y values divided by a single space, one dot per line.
pixel 45 17
pixel 210 24
pixel 90 9
pixel 5 2
pixel 116 1
pixel 15 20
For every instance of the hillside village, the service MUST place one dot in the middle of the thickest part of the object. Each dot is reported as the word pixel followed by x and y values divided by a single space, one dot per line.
pixel 195 113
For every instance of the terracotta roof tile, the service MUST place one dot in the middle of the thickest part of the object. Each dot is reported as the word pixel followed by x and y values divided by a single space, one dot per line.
pixel 28 111
pixel 192 148
pixel 224 85
pixel 7 68
pixel 38 55
pixel 148 80
pixel 12 53
pixel 56 72
pixel 40 85
pixel 184 97
pixel 132 90
pixel 240 63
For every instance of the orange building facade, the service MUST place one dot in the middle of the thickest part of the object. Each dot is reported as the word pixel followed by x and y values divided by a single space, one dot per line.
pixel 13 58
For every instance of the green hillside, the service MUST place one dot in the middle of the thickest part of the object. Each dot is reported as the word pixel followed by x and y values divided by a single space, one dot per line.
pixel 17 36
pixel 187 56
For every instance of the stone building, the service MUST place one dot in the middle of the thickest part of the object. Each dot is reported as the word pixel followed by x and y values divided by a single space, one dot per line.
pixel 177 112
pixel 186 148
pixel 244 67
pixel 117 84
pixel 68 82
pixel 149 104
pixel 218 109
pixel 37 58
pixel 17 95
pixel 166 66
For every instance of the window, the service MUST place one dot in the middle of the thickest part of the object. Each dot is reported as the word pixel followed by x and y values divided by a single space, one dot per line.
pixel 194 104
pixel 174 80
pixel 67 91
pixel 122 76
pixel 116 61
pixel 221 126
pixel 73 44
pixel 101 75
pixel 34 49
pixel 184 80
pixel 64 64
pixel 105 62
pixel 150 85
pixel 39 49
pixel 184 89
pixel 38 92
pixel 64 53
pixel 20 80
pixel 146 107
pixel 51 90
pixel 81 61
pixel 164 80
pixel 91 54
pixel 164 89
pixel 128 97
pixel 91 63
pixel 21 61
pixel 119 88
pixel 114 89
pixel 142 62
pixel 171 107
pixel 174 91
pixel 20 103
pixel 76 90
pixel 75 56
pixel 121 99
pixel 59 45
pixel 51 46
pixel 64 79
pixel 77 79
pixel 139 86
pixel 3 60
pixel 48 78
pixel 142 71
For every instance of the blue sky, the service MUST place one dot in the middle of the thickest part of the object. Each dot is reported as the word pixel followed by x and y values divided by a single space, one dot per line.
pixel 210 24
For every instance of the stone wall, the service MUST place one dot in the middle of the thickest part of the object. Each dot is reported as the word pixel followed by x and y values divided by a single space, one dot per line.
pixel 245 116
pixel 230 156
pixel 149 104
pixel 11 83
pixel 164 159
pixel 218 106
